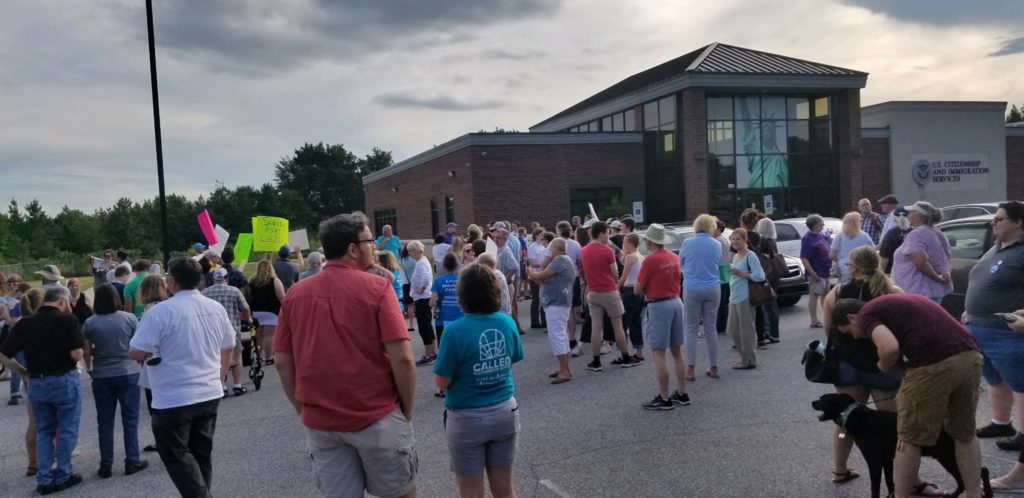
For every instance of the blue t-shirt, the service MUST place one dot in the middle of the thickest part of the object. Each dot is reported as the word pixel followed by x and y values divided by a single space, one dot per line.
pixel 814 247
pixel 447 298
pixel 699 256
pixel 477 354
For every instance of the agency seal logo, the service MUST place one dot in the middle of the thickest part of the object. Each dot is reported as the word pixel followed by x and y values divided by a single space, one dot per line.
pixel 922 171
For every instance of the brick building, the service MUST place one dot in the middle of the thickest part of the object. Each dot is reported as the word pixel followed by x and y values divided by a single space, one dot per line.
pixel 714 131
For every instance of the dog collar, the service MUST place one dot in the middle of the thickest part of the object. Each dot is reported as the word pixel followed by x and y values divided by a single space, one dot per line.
pixel 846 413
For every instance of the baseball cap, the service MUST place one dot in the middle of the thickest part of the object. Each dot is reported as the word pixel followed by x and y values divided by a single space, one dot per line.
pixel 220 274
pixel 900 211
pixel 451 225
pixel 198 246
pixel 284 251
pixel 616 224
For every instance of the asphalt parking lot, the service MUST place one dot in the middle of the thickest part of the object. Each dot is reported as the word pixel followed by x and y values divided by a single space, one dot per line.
pixel 747 434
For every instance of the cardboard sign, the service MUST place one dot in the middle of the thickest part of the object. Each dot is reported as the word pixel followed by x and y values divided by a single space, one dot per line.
pixel 269 233
pixel 206 225
pixel 222 240
pixel 298 240
pixel 243 247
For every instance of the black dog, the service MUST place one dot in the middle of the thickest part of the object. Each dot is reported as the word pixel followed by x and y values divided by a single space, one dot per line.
pixel 874 432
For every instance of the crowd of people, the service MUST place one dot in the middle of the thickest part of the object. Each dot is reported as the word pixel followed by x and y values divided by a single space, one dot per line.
pixel 178 335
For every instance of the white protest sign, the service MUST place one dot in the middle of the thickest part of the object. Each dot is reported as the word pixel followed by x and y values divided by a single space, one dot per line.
pixel 298 240
pixel 222 240
pixel 492 247
pixel 593 214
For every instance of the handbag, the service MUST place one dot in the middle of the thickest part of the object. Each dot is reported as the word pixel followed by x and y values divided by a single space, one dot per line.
pixel 759 292
pixel 819 363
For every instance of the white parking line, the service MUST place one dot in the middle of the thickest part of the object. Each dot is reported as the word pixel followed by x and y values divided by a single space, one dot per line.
pixel 554 488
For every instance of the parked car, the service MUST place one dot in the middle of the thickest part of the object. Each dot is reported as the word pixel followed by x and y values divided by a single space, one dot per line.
pixel 792 230
pixel 791 287
pixel 969 240
pixel 961 211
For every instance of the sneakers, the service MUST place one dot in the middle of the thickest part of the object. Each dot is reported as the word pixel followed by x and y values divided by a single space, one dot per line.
pixel 594 365
pixel 426 360
pixel 996 430
pixel 135 467
pixel 605 348
pixel 238 391
pixel 659 403
pixel 679 399
pixel 626 361
pixel 576 350
pixel 73 480
pixel 1015 443
pixel 14 401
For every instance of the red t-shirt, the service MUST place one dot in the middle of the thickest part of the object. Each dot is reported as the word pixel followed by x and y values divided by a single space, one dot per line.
pixel 927 333
pixel 597 260
pixel 335 324
pixel 660 275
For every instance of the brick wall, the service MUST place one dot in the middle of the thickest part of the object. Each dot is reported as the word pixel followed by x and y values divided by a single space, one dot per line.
pixel 523 183
pixel 849 148
pixel 877 180
pixel 417 186
pixel 694 127
pixel 1015 167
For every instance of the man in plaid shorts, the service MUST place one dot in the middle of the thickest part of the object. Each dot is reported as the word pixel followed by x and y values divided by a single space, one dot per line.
pixel 238 311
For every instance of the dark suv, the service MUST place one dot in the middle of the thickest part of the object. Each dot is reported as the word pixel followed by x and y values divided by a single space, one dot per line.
pixel 969 240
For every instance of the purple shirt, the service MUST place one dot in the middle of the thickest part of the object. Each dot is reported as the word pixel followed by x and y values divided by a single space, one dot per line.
pixel 930 241
pixel 815 249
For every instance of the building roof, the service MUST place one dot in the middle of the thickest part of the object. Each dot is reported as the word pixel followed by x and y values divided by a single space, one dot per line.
pixel 714 59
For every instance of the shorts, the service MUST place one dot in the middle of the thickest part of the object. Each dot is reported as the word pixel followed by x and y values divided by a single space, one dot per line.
pixel 663 324
pixel 602 303
pixel 482 438
pixel 380 459
pixel 558 330
pixel 266 318
pixel 819 287
pixel 236 355
pixel 850 375
pixel 577 298
pixel 1004 356
pixel 942 395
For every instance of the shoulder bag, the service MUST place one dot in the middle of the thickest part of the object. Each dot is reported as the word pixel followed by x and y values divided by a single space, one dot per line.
pixel 759 292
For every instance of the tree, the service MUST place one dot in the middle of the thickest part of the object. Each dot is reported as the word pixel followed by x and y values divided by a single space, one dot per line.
pixel 1016 115
pixel 76 232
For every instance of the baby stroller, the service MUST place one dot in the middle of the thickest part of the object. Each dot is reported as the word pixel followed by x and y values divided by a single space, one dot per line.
pixel 252 355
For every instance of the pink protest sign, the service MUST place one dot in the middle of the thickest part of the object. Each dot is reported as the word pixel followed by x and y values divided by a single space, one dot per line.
pixel 206 225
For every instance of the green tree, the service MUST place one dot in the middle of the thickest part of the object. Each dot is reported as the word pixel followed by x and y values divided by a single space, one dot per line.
pixel 1016 115
pixel 613 209
pixel 76 232
pixel 38 230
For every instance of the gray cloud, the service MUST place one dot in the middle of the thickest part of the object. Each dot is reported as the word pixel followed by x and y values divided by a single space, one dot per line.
pixel 1014 46
pixel 437 103
pixel 498 54
pixel 263 38
pixel 948 12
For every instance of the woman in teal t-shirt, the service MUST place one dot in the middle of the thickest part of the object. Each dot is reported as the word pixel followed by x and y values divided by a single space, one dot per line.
pixel 474 367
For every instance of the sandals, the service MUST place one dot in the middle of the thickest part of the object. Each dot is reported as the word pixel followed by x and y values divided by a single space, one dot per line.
pixel 922 490
pixel 817 325
pixel 31 471
pixel 560 380
pixel 690 375
pixel 1000 485
pixel 713 373
pixel 849 475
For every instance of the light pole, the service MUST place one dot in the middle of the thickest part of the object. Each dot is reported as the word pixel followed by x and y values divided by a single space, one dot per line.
pixel 164 243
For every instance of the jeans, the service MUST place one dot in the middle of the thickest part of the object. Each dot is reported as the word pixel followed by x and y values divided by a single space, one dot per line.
pixel 57 406
pixel 184 439
pixel 537 316
pixel 633 320
pixel 109 392
pixel 16 377
pixel 723 309
pixel 770 311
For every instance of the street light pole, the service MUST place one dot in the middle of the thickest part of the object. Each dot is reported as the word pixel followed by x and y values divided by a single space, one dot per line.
pixel 164 243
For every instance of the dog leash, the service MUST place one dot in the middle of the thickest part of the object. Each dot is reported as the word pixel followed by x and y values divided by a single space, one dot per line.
pixel 846 413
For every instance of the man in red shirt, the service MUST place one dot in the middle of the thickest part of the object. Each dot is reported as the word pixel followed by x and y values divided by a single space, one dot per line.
pixel 659 283
pixel 344 323
pixel 602 293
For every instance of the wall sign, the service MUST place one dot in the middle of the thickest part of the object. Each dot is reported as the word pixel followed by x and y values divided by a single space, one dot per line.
pixel 951 171
pixel 638 211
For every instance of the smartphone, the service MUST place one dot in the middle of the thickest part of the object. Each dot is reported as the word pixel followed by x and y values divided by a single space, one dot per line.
pixel 1008 317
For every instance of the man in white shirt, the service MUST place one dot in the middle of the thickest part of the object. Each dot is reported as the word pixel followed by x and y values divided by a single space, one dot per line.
pixel 535 261
pixel 194 339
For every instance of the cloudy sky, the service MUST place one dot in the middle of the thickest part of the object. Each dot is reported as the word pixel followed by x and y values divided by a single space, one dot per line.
pixel 244 83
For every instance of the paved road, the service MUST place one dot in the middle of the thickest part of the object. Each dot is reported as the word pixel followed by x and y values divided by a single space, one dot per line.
pixel 750 433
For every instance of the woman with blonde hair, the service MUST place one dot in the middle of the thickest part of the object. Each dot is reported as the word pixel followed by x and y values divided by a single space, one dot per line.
pixel 265 294
pixel 745 268
pixel 29 303
pixel 152 291
pixel 458 246
pixel 858 373
pixel 474 233
pixel 387 267
pixel 699 257
pixel 845 242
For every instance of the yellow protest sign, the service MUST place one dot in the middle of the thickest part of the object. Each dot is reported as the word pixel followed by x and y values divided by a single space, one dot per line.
pixel 243 247
pixel 269 233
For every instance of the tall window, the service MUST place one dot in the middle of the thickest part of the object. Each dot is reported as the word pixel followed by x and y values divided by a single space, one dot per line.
pixel 435 224
pixel 660 117
pixel 385 217
pixel 760 145
pixel 449 209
